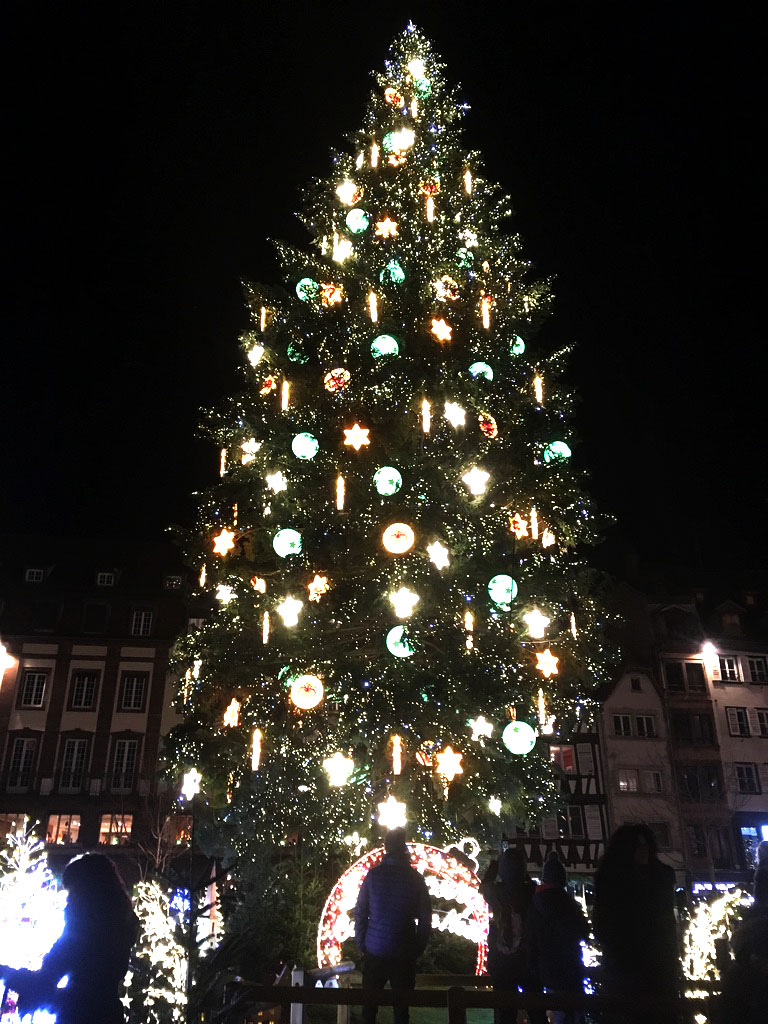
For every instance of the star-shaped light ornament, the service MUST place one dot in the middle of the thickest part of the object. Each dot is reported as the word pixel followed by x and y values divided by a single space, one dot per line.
pixel 191 785
pixel 224 542
pixel 338 768
pixel 494 805
pixel 288 610
pixel 546 663
pixel 317 587
pixel 249 447
pixel 476 480
pixel 232 714
pixel 224 593
pixel 392 813
pixel 403 601
pixel 441 330
pixel 518 526
pixel 481 728
pixel 438 555
pixel 448 764
pixel 455 415
pixel 386 228
pixel 356 437
pixel 276 482
pixel 537 623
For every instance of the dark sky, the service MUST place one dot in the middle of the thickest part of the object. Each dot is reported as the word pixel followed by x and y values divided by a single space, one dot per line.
pixel 154 148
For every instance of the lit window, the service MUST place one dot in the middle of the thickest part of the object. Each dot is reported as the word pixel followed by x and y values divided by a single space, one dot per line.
pixel 63 829
pixel 84 691
pixel 141 624
pixel 729 670
pixel 33 689
pixel 105 579
pixel 177 828
pixel 563 756
pixel 34 575
pixel 12 825
pixel 627 779
pixel 115 829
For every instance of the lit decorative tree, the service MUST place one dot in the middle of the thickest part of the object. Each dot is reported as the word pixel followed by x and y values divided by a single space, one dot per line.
pixel 31 905
pixel 402 611
pixel 155 990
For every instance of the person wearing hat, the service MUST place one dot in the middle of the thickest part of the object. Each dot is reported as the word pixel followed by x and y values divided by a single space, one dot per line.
pixel 554 930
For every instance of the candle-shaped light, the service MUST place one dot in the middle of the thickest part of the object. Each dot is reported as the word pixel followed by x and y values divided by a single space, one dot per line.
pixel 469 625
pixel 397 755
pixel 265 628
pixel 373 307
pixel 426 416
pixel 256 739
pixel 485 311
pixel 573 625
pixel 538 389
pixel 285 395
pixel 223 462
pixel 263 319
pixel 374 154
pixel 468 181
pixel 339 492
pixel 534 523
pixel 430 208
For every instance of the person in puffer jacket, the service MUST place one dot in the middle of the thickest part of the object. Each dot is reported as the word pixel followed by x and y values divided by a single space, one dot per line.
pixel 393 921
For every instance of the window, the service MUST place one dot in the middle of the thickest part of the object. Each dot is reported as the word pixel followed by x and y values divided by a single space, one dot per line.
pixel 73 765
pixel 21 770
pixel 695 678
pixel 124 765
pixel 627 780
pixel 747 780
pixel 83 690
pixel 141 624
pixel 63 829
pixel 700 783
pixel 758 670
pixel 646 726
pixel 729 670
pixel 673 673
pixel 711 841
pixel 570 823
pixel 563 757
pixel 622 725
pixel 749 841
pixel 697 841
pixel 762 721
pixel 685 675
pixel 105 579
pixel 636 684
pixel 34 575
pixel 115 829
pixel 177 828
pixel 693 728
pixel 33 689
pixel 133 691
pixel 660 831
pixel 653 781
pixel 738 725
pixel 173 582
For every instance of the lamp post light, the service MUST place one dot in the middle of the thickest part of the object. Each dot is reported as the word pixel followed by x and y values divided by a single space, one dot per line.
pixel 6 660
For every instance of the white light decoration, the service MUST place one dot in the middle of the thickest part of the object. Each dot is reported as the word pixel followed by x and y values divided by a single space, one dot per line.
pixel 224 542
pixel 6 660
pixel 518 525
pixel 426 415
pixel 223 462
pixel 256 741
pixel 430 209
pixel 375 154
pixel 417 68
pixel 224 593
pixel 481 728
pixel 356 842
pixel 249 448
pixel 519 738
pixel 255 354
pixel 537 623
pixel 340 492
pixel 397 755
pixel 191 784
pixel 317 587
pixel 386 228
pixel 538 389
pixel 276 482
pixel 342 249
pixel 710 657
pixel 403 601
pixel 259 584
pixel 232 714
pixel 469 626
pixel 448 763
pixel 203 575
pixel 287 542
pixel 534 523
pixel 397 643
pixel 348 192
pixel 442 330
pixel 263 319
pixel 338 769
pixel 265 628
pixel 289 610
pixel 485 311
pixel 392 813
pixel 547 538
pixel 447 879
pixel 710 927
pixel 306 691
pixel 398 538
pixel 455 415
pixel 546 663
pixel 546 721
pixel 476 480
pixel 285 395
pixel 356 437
pixel 402 140
pixel 494 806
pixel 438 555
pixel 574 633
pixel 468 181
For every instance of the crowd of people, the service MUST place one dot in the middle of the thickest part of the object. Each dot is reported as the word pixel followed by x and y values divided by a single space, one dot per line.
pixel 534 943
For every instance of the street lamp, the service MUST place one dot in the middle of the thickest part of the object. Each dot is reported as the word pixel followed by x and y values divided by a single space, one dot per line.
pixel 6 660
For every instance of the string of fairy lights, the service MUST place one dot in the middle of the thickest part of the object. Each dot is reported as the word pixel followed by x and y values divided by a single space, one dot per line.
pixel 392 544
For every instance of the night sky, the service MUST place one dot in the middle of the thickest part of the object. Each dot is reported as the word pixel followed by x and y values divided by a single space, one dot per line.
pixel 153 149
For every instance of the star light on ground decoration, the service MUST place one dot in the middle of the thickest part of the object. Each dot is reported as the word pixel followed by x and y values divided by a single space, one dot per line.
pixel 537 623
pixel 317 587
pixel 392 813
pixel 356 437
pixel 438 555
pixel 481 728
pixel 449 763
pixel 224 542
pixel 288 610
pixel 403 601
pixel 546 663
pixel 338 768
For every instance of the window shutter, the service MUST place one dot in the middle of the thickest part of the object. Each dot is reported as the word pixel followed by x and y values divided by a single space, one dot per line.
pixel 762 770
pixel 46 785
pixel 549 828
pixel 594 821
pixel 754 722
pixel 95 787
pixel 733 721
pixel 586 758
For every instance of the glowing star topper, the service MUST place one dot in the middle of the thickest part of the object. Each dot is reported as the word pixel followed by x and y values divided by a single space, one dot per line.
pixel 392 814
pixel 288 610
pixel 441 330
pixel 232 714
pixel 224 542
pixel 537 623
pixel 276 482
pixel 455 415
pixel 191 785
pixel 476 480
pixel 494 805
pixel 317 587
pixel 338 768
pixel 481 728
pixel 403 601
pixel 546 663
pixel 386 228
pixel 448 763
pixel 438 555
pixel 356 437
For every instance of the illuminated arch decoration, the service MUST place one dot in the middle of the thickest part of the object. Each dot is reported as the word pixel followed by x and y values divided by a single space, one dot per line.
pixel 447 880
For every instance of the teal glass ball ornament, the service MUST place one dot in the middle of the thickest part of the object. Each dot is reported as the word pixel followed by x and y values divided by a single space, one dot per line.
pixel 393 273
pixel 397 645
pixel 305 446
pixel 387 480
pixel 502 590
pixel 518 738
pixel 287 542
pixel 384 345
pixel 517 346
pixel 557 451
pixel 307 289
pixel 296 354
pixel 390 142
pixel 357 221
pixel 422 87
pixel 464 257
pixel 481 370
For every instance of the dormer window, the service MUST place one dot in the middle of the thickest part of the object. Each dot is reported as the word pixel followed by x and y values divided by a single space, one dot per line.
pixel 34 575
pixel 105 579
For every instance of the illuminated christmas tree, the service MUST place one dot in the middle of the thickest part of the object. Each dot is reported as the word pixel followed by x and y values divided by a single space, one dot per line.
pixel 403 613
